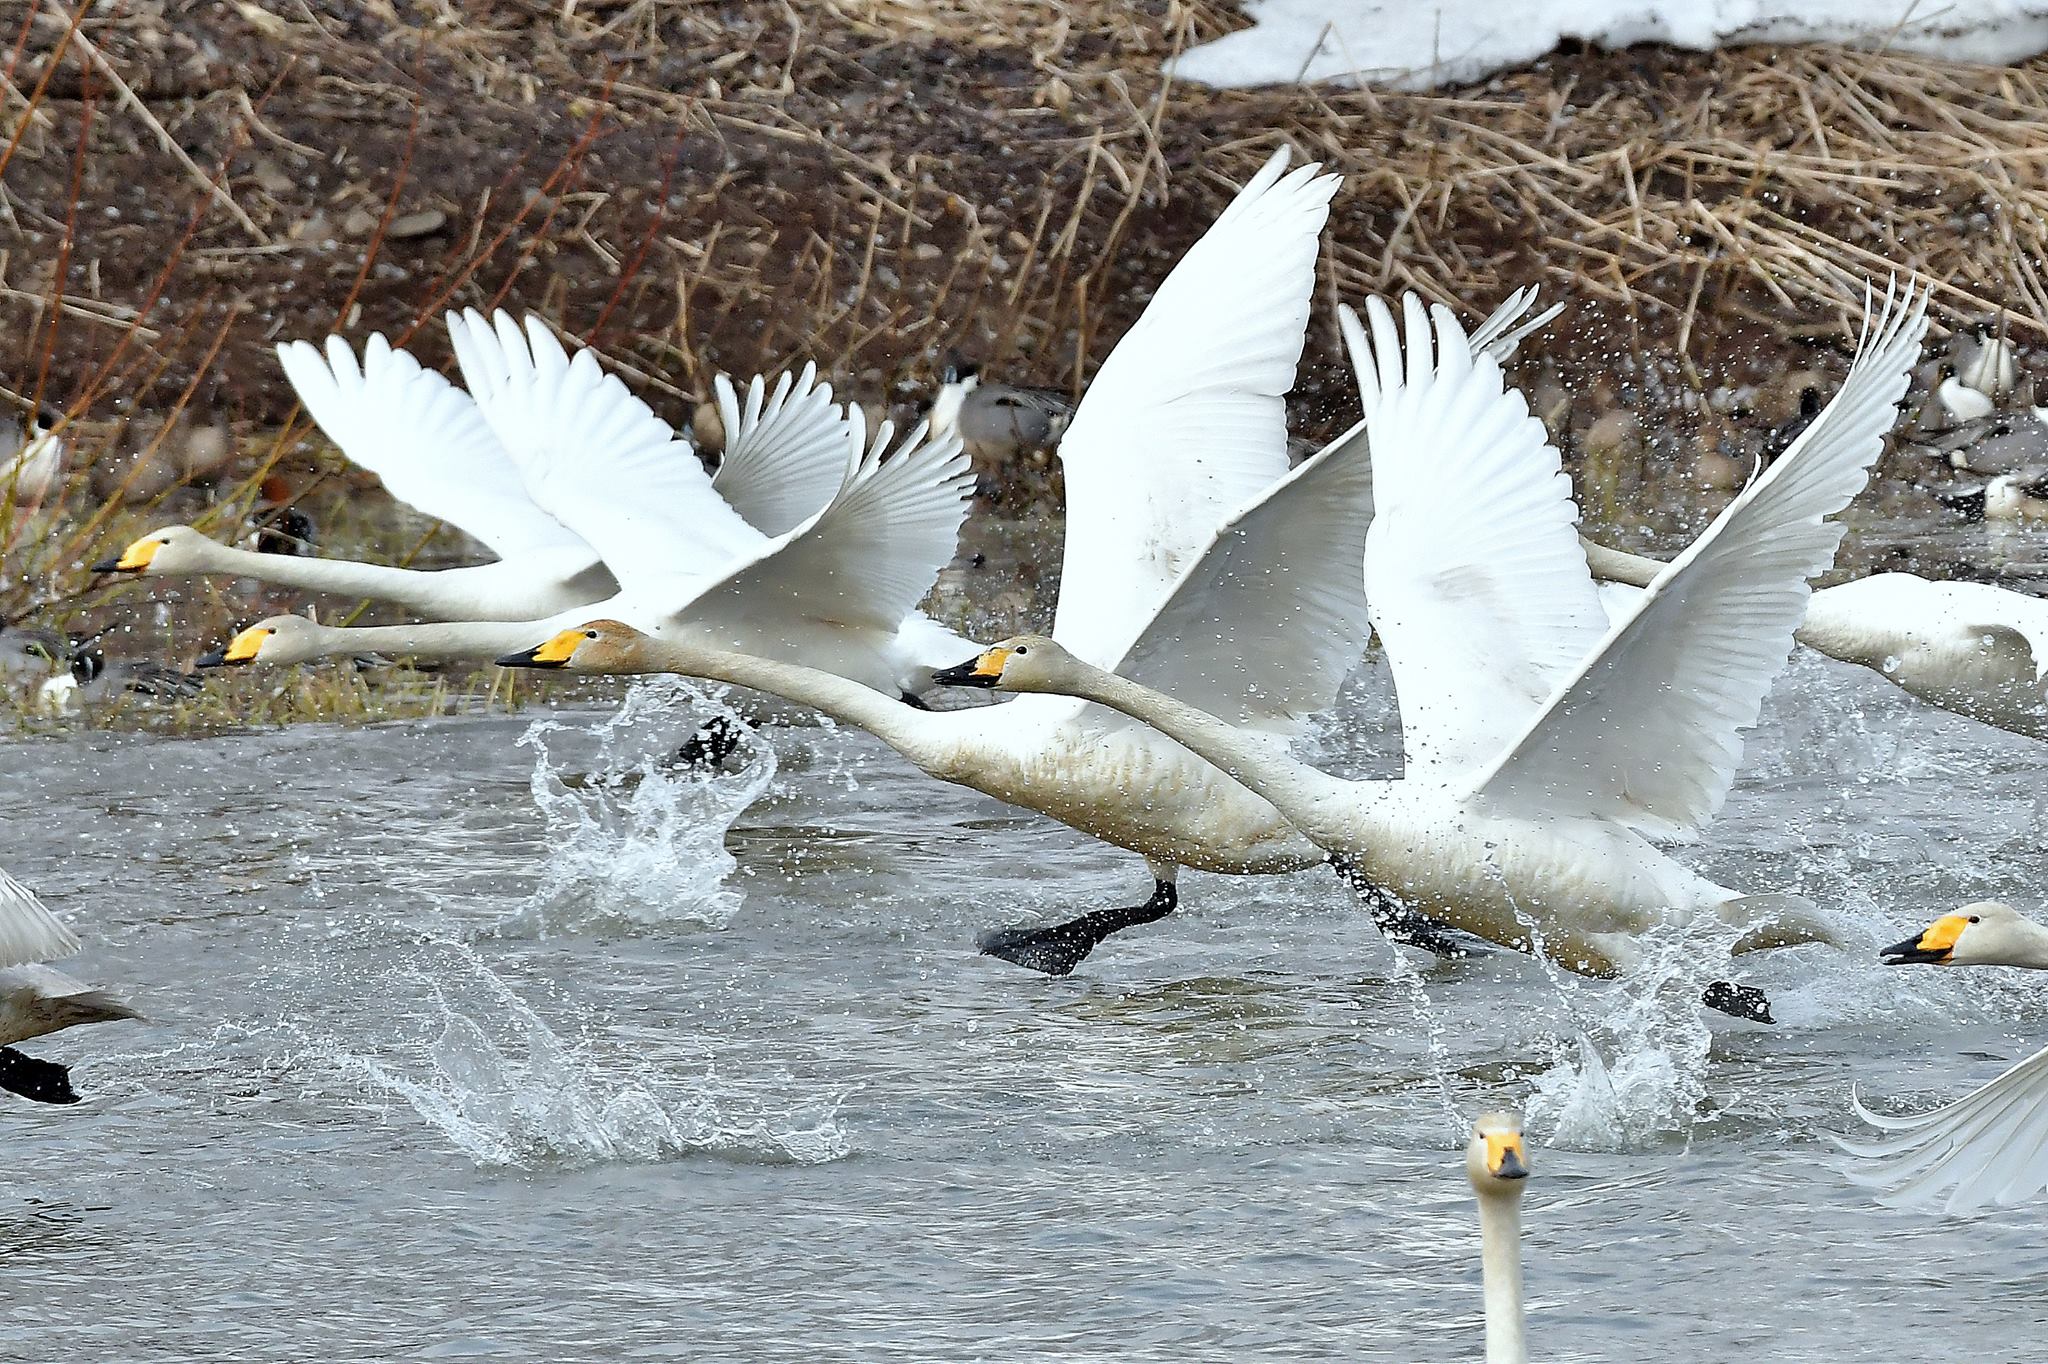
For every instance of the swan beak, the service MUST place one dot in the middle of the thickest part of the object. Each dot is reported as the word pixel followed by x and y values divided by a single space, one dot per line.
pixel 1933 946
pixel 243 648
pixel 1505 1157
pixel 134 559
pixel 555 653
pixel 983 670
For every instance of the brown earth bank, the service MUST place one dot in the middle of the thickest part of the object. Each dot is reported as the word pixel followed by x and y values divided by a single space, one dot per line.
pixel 877 184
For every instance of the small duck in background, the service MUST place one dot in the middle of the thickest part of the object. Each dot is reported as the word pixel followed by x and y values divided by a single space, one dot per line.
pixel 31 457
pixel 996 421
pixel 2021 495
pixel 277 525
pixel 1982 372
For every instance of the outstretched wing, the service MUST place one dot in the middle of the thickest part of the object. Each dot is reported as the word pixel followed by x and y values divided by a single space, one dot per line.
pixel 425 439
pixel 28 932
pixel 1185 422
pixel 1646 729
pixel 785 451
pixel 1988 1148
pixel 1263 628
pixel 834 592
pixel 1478 588
pixel 600 460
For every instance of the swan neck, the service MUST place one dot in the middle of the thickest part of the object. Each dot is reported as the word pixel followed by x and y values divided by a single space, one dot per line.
pixel 1500 1247
pixel 904 728
pixel 1619 566
pixel 406 586
pixel 442 640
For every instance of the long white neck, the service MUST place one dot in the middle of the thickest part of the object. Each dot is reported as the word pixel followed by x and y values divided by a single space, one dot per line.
pixel 2019 943
pixel 918 735
pixel 1308 798
pixel 424 590
pixel 1619 566
pixel 1500 1259
pixel 1833 625
pixel 442 640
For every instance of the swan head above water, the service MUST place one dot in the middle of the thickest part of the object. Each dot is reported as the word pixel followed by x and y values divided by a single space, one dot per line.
pixel 1021 663
pixel 1984 934
pixel 164 553
pixel 279 639
pixel 1496 1161
pixel 596 646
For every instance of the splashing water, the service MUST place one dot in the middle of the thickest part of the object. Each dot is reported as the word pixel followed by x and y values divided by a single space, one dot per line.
pixel 494 1079
pixel 641 840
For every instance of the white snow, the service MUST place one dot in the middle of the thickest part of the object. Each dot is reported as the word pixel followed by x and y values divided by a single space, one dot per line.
pixel 1420 45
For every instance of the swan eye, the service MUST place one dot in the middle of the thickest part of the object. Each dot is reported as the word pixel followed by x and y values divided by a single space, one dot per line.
pixel 271 631
pixel 590 634
pixel 1022 649
pixel 1973 918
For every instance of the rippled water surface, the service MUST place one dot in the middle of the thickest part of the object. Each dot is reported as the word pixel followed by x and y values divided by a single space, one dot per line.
pixel 464 1043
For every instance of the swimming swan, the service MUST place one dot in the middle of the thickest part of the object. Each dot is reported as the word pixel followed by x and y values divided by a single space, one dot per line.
pixel 1989 1147
pixel 36 1000
pixel 1497 1163
pixel 1978 650
pixel 433 449
pixel 1543 747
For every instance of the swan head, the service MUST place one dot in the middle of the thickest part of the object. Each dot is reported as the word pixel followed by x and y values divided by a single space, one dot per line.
pixel 596 646
pixel 1019 663
pixel 279 639
pixel 163 553
pixel 1496 1160
pixel 1984 934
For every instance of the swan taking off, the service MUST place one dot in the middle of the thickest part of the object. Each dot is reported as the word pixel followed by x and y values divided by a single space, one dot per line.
pixel 1497 1163
pixel 1543 748
pixel 1989 1147
pixel 35 1000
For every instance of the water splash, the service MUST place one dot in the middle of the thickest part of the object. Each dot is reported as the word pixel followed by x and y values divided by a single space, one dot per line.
pixel 640 839
pixel 488 1073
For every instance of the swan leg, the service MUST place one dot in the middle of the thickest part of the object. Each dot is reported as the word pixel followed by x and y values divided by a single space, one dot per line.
pixel 715 740
pixel 1738 1001
pixel 46 1082
pixel 1058 948
pixel 1400 923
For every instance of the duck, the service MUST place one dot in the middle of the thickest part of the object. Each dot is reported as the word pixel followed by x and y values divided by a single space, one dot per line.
pixel 1974 649
pixel 36 1000
pixel 1181 512
pixel 1544 749
pixel 1990 1147
pixel 997 421
pixel 1497 1164
pixel 2021 495
pixel 1981 372
pixel 31 458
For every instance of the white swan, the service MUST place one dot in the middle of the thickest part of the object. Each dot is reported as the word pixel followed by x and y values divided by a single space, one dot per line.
pixel 1181 513
pixel 1971 648
pixel 1497 1163
pixel 36 1000
pixel 835 590
pixel 1542 746
pixel 431 447
pixel 1989 1147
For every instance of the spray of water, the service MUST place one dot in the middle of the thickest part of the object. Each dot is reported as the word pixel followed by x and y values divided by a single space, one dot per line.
pixel 640 839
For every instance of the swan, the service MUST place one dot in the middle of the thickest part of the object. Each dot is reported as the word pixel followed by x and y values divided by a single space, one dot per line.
pixel 434 450
pixel 1989 1147
pixel 1497 1163
pixel 36 1000
pixel 1971 648
pixel 834 590
pixel 1543 747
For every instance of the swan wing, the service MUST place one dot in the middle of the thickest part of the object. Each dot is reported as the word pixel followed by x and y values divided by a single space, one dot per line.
pixel 834 592
pixel 29 932
pixel 1185 422
pixel 600 460
pixel 1266 624
pixel 785 450
pixel 1478 587
pixel 1988 1148
pixel 425 439
pixel 1646 729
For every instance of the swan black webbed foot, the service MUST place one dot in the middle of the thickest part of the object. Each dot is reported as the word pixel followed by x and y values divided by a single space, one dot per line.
pixel 46 1082
pixel 1738 1001
pixel 717 739
pixel 1402 924
pixel 1058 948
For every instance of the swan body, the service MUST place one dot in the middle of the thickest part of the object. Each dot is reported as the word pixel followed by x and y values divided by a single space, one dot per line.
pixel 37 1000
pixel 1544 747
pixel 1497 1164
pixel 1989 1147
pixel 1971 648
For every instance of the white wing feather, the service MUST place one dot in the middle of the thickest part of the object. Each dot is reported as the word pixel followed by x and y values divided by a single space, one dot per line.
pixel 28 932
pixel 1988 1148
pixel 1185 422
pixel 1264 627
pixel 1478 587
pixel 426 440
pixel 601 461
pixel 785 452
pixel 1646 730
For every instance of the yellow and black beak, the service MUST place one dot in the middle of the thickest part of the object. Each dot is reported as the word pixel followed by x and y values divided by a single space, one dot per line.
pixel 984 670
pixel 243 648
pixel 1933 947
pixel 1506 1157
pixel 554 653
pixel 134 559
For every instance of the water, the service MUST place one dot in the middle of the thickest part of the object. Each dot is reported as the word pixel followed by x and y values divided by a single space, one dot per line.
pixel 435 1071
